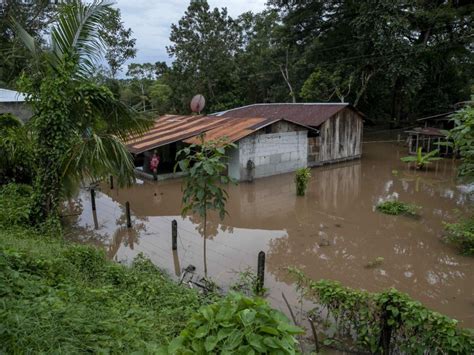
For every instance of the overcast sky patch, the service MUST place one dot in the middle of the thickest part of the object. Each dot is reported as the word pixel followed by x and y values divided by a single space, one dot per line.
pixel 151 22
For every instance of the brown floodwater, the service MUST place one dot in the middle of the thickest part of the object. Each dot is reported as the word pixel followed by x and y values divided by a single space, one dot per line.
pixel 333 232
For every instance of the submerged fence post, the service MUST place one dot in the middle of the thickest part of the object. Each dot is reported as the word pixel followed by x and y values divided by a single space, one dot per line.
pixel 111 182
pixel 93 199
pixel 174 234
pixel 261 271
pixel 127 212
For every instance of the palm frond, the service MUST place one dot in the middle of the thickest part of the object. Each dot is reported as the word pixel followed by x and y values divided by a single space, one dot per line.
pixel 107 114
pixel 29 42
pixel 76 33
pixel 95 158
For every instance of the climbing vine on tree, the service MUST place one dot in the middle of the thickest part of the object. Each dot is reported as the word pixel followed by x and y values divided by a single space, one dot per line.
pixel 78 125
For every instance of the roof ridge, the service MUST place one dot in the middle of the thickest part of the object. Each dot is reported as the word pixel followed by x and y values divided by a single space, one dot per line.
pixel 281 103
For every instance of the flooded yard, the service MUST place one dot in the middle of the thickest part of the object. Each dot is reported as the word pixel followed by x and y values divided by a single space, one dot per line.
pixel 333 232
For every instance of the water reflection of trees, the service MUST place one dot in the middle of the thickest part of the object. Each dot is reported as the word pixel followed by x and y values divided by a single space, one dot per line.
pixel 80 229
pixel 213 225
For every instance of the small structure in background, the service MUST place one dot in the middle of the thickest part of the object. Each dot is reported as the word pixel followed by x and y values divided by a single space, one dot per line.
pixel 432 135
pixel 15 103
pixel 428 139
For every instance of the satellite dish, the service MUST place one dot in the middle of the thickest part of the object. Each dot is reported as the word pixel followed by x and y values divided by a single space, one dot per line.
pixel 197 103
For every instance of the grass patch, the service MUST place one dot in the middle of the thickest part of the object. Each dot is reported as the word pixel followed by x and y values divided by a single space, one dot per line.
pixel 60 297
pixel 397 208
pixel 462 235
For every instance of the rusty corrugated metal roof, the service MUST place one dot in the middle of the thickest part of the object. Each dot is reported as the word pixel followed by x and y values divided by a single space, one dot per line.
pixel 233 129
pixel 172 128
pixel 309 114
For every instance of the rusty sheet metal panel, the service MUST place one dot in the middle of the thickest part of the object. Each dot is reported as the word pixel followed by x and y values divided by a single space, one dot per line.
pixel 309 114
pixel 341 137
pixel 172 128
pixel 233 129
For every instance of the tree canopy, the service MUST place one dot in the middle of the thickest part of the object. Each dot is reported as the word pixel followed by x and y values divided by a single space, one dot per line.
pixel 394 60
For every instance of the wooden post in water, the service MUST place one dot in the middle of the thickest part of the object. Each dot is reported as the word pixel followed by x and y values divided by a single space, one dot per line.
pixel 127 212
pixel 96 221
pixel 93 199
pixel 174 235
pixel 261 271
pixel 111 182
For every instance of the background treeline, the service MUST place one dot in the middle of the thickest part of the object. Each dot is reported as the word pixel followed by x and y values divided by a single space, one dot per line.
pixel 394 60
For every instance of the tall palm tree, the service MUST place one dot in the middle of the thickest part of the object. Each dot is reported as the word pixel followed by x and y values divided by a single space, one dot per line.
pixel 79 125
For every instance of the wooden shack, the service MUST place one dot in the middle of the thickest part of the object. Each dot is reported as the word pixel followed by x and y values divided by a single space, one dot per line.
pixel 339 127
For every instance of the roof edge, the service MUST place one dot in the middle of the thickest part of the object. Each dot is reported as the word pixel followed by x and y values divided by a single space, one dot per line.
pixel 220 113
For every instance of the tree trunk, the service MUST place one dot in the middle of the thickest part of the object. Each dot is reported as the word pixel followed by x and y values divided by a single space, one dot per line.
pixel 286 77
pixel 397 102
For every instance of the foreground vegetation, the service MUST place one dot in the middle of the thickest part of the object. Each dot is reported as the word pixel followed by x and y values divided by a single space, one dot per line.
pixel 237 325
pixel 389 322
pixel 56 296
pixel 61 297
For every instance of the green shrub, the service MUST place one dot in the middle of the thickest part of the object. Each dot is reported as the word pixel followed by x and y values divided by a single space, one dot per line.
pixel 8 120
pixel 15 204
pixel 301 179
pixel 462 137
pixel 360 317
pixel 17 162
pixel 421 160
pixel 462 235
pixel 236 325
pixel 62 298
pixel 398 208
pixel 249 284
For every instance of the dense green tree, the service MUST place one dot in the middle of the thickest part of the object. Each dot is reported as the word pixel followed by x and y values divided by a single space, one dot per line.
pixel 118 40
pixel 34 16
pixel 16 158
pixel 259 61
pixel 462 136
pixel 78 124
pixel 204 45
pixel 405 58
pixel 141 78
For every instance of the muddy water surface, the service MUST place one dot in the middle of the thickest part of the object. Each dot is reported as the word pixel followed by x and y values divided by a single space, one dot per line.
pixel 333 232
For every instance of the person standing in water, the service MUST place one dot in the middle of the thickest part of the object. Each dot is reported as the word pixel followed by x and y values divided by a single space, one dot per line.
pixel 154 162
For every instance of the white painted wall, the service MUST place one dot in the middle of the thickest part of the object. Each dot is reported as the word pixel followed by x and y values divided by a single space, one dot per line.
pixel 272 154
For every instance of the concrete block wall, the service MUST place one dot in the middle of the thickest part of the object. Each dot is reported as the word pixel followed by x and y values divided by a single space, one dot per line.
pixel 19 109
pixel 272 154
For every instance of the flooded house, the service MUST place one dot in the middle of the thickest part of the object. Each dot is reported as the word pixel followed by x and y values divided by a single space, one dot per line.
pixel 270 139
pixel 264 146
pixel 337 127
